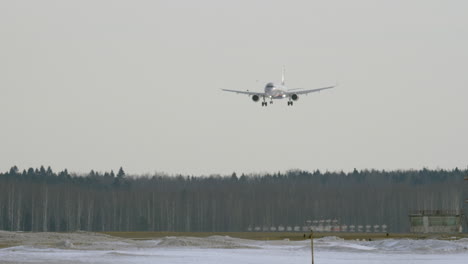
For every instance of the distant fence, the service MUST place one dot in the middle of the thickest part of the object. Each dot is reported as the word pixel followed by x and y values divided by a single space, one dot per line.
pixel 321 228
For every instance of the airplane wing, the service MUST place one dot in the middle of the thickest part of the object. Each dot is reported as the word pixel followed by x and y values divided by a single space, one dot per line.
pixel 306 91
pixel 244 92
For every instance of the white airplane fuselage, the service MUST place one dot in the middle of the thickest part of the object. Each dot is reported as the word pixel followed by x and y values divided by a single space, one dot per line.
pixel 275 91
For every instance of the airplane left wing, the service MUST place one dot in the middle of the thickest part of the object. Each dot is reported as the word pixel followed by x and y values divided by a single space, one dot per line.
pixel 244 92
pixel 298 91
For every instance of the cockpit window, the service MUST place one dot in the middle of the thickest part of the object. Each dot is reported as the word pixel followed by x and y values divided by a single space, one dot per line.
pixel 270 85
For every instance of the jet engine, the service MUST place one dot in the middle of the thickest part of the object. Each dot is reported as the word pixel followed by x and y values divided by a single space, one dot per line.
pixel 295 97
pixel 255 98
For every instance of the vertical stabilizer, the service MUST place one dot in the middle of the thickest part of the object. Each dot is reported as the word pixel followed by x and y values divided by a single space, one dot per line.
pixel 282 76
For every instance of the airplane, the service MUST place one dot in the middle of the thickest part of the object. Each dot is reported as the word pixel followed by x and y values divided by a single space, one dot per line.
pixel 278 91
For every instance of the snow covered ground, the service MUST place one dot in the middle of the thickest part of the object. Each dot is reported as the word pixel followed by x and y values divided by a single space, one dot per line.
pixel 96 248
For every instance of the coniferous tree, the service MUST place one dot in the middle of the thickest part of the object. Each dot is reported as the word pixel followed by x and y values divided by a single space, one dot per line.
pixel 41 200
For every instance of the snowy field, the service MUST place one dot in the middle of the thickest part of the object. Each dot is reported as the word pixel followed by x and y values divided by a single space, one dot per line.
pixel 85 247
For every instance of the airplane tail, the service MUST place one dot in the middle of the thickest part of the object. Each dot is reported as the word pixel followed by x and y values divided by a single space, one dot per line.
pixel 282 76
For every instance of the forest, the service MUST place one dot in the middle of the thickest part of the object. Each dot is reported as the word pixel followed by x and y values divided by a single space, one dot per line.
pixel 39 199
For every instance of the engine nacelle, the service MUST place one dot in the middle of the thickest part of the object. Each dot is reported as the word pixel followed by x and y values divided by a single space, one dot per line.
pixel 295 97
pixel 255 98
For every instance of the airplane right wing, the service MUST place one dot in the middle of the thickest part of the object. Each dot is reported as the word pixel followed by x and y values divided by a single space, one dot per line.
pixel 304 91
pixel 244 92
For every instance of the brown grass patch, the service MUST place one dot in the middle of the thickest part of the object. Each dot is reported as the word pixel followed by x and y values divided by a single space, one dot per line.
pixel 7 245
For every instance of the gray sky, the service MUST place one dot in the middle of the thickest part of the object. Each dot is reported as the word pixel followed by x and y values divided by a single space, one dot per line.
pixel 102 84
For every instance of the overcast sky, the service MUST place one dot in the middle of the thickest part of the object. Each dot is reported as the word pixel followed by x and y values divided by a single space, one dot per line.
pixel 102 84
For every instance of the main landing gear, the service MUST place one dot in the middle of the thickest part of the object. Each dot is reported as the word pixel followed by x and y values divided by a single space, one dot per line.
pixel 265 103
pixel 290 103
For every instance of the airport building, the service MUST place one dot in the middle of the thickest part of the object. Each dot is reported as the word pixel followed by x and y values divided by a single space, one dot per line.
pixel 436 221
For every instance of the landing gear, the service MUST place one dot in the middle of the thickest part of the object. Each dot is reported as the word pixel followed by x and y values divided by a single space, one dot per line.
pixel 264 104
pixel 290 103
pixel 271 101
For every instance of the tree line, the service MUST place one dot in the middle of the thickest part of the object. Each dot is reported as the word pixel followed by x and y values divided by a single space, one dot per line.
pixel 43 200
